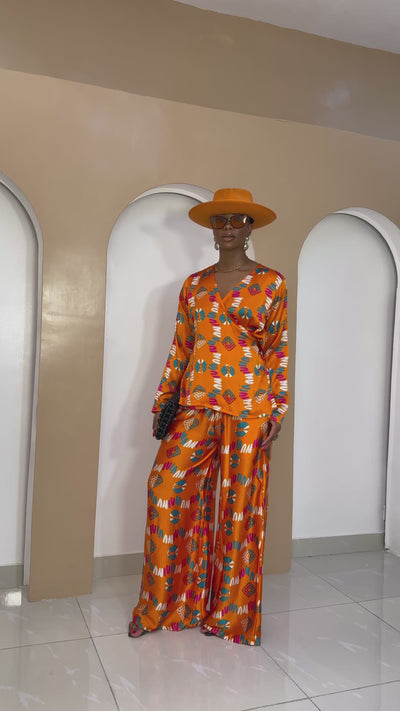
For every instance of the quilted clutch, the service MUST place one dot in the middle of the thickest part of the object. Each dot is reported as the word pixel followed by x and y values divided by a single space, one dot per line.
pixel 167 416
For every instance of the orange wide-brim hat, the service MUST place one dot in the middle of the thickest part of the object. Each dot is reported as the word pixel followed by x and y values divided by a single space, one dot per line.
pixel 232 201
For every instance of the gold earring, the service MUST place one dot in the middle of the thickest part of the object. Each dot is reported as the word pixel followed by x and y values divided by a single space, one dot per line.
pixel 216 245
pixel 246 244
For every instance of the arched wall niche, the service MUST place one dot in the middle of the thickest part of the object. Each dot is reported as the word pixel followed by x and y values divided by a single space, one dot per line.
pixel 390 235
pixel 31 216
pixel 152 248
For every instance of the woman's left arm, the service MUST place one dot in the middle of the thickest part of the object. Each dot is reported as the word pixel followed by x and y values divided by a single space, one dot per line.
pixel 276 352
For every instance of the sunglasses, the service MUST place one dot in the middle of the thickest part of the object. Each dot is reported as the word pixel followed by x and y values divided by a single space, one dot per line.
pixel 236 221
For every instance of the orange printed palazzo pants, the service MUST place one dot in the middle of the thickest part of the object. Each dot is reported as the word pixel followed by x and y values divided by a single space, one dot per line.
pixel 181 564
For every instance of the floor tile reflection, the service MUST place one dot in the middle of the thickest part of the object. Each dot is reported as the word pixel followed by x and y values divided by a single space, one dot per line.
pixel 66 676
pixel 23 622
pixel 345 561
pixel 289 591
pixel 331 642
pixel 107 587
pixel 333 648
pixel 291 706
pixel 182 670
pixel 107 615
pixel 361 576
pixel 385 697
pixel 387 609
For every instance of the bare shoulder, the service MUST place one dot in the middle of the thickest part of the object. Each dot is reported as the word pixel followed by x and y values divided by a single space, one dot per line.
pixel 255 264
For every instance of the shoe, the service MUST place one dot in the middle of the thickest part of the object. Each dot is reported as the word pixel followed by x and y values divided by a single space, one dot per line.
pixel 206 632
pixel 134 630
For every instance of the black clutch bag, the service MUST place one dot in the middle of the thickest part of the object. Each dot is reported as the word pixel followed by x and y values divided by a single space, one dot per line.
pixel 167 416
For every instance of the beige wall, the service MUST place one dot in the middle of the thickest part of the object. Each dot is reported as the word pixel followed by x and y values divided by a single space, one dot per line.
pixel 79 168
pixel 81 152
pixel 174 51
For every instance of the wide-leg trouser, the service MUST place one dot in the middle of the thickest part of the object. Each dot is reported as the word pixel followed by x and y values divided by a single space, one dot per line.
pixel 181 564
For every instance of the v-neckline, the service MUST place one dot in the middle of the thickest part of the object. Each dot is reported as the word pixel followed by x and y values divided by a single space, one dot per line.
pixel 237 285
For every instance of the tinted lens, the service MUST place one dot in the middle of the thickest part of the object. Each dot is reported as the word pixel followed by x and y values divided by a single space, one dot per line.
pixel 218 221
pixel 238 221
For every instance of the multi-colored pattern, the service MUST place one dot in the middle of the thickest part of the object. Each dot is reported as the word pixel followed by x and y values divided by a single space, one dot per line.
pixel 186 580
pixel 230 354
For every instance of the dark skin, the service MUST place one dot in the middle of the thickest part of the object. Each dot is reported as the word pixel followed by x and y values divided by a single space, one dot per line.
pixel 233 265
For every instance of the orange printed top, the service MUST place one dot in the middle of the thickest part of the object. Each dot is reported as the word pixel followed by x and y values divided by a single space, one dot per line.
pixel 230 354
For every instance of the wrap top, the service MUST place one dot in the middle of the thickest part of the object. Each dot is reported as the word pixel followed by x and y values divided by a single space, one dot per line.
pixel 230 354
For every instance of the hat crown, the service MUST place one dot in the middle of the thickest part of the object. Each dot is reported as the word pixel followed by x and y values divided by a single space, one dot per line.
pixel 233 194
pixel 231 201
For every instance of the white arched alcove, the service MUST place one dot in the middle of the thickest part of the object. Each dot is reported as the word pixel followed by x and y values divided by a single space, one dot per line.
pixel 347 456
pixel 153 247
pixel 20 311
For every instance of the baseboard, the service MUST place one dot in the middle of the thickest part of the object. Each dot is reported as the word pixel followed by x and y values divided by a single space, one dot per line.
pixel 11 576
pixel 304 547
pixel 111 566
pixel 132 563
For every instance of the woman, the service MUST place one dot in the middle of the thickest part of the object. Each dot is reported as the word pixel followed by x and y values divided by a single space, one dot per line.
pixel 229 361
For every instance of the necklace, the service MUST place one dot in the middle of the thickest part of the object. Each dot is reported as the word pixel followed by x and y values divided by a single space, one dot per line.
pixel 225 271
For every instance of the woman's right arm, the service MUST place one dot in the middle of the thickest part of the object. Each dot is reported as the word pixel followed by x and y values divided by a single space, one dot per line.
pixel 178 357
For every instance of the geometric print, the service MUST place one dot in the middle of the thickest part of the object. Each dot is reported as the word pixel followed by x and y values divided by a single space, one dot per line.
pixel 190 579
pixel 230 354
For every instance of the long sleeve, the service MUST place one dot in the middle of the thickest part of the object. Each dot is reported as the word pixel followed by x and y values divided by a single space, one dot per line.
pixel 276 350
pixel 178 358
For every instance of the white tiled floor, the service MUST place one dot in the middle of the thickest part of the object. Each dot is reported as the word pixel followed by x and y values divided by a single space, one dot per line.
pixel 331 641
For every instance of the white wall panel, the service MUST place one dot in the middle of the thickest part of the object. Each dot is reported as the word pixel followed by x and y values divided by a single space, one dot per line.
pixel 153 248
pixel 346 300
pixel 18 325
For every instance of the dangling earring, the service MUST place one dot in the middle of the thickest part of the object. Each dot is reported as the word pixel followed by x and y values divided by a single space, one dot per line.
pixel 246 244
pixel 216 245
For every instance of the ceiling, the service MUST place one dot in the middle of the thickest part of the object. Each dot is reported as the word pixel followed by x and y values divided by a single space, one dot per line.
pixel 371 23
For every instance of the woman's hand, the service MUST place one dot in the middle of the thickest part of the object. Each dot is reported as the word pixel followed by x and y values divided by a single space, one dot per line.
pixel 155 422
pixel 272 434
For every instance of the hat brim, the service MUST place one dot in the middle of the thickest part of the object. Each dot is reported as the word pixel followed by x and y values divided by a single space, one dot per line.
pixel 204 211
